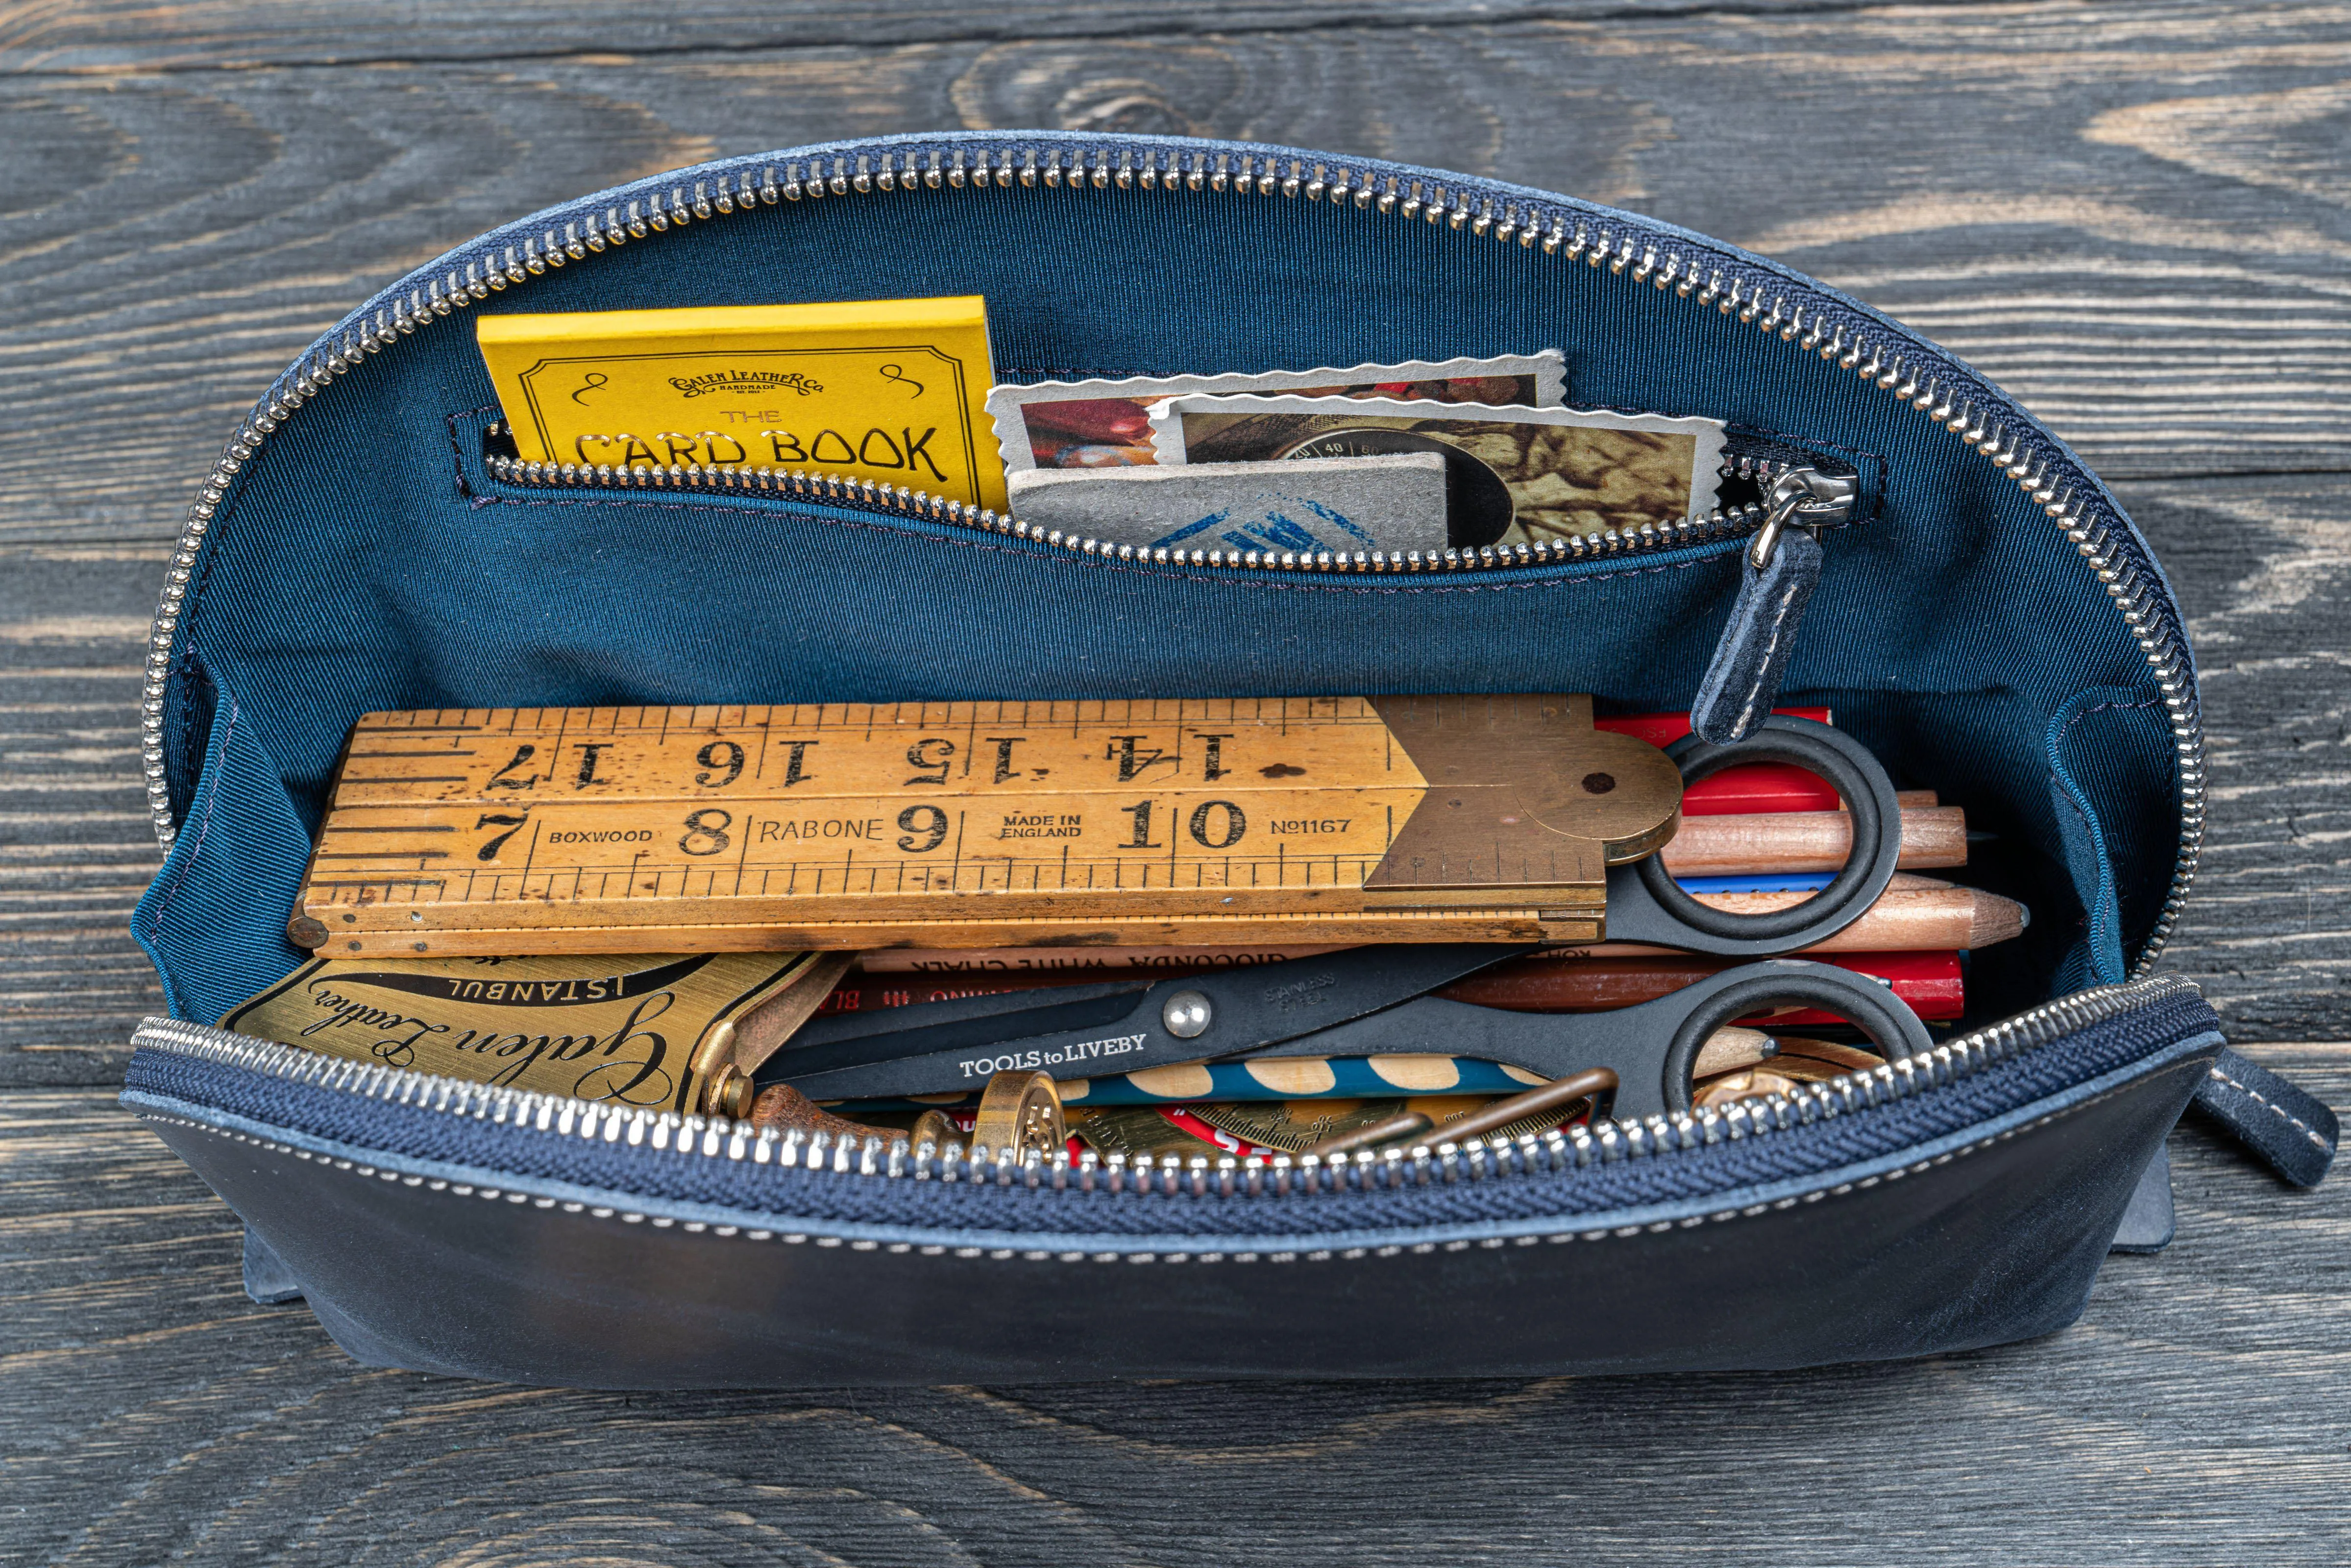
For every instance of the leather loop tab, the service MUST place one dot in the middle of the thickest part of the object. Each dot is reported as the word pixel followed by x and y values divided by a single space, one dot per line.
pixel 267 1280
pixel 2292 1132
pixel 1743 678
pixel 2149 1221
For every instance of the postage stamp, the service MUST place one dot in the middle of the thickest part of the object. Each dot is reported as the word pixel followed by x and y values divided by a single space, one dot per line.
pixel 1104 423
pixel 1513 475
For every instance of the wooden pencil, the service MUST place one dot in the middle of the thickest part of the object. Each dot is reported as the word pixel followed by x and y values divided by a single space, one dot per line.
pixel 1914 913
pixel 1782 842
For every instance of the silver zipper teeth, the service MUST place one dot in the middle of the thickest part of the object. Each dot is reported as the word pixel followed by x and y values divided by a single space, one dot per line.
pixel 1473 1159
pixel 1755 297
pixel 840 490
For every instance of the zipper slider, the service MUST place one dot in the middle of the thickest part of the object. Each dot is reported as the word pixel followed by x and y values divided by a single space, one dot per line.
pixel 1782 568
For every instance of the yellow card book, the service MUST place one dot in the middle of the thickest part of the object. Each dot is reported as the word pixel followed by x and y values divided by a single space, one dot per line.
pixel 887 390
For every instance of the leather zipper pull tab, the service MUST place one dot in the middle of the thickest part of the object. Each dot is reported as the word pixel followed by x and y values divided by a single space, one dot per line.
pixel 2292 1132
pixel 1782 568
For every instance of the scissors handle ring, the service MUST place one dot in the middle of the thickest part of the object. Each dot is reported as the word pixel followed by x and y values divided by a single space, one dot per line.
pixel 1870 1007
pixel 1649 906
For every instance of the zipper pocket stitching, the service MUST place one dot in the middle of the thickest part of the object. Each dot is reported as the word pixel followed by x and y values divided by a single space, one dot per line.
pixel 839 500
pixel 1555 571
pixel 799 486
pixel 1271 1247
pixel 1948 391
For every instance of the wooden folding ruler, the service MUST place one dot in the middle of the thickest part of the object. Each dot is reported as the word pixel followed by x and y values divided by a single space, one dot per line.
pixel 963 825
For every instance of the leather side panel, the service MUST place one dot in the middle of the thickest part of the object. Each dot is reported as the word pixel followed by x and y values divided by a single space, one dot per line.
pixel 1996 1243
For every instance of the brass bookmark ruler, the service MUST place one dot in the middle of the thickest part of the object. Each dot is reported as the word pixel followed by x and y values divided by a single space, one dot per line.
pixel 678 1031
pixel 979 824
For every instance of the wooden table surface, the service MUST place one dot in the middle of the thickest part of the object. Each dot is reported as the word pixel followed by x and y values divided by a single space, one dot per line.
pixel 2137 216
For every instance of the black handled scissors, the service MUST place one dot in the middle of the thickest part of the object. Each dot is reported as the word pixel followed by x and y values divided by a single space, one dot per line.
pixel 1374 1000
pixel 1367 1001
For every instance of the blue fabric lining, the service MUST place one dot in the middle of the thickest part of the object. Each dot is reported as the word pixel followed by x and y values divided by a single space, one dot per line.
pixel 2077 745
pixel 214 920
pixel 350 567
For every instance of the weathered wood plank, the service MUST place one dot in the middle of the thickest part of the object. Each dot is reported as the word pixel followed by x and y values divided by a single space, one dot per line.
pixel 2260 564
pixel 2263 573
pixel 2124 211
pixel 2131 215
pixel 76 849
pixel 148 1412
pixel 115 35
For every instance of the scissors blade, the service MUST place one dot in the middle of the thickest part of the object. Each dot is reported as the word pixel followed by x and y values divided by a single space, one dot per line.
pixel 956 1023
pixel 949 1046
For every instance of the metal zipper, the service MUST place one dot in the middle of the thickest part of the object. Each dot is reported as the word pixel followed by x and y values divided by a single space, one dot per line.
pixel 666 1133
pixel 1625 247
pixel 864 495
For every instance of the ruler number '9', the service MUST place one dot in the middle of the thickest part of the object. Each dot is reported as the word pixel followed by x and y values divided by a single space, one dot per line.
pixel 928 821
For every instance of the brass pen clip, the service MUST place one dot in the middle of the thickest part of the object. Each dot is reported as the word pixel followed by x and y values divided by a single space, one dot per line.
pixel 1593 1084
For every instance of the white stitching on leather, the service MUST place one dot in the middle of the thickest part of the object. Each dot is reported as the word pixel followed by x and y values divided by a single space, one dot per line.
pixel 2280 1111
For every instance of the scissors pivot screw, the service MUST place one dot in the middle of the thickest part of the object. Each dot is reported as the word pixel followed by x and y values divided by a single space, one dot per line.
pixel 1187 1014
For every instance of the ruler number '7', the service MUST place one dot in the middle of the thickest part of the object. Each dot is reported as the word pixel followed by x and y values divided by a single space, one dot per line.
pixel 513 824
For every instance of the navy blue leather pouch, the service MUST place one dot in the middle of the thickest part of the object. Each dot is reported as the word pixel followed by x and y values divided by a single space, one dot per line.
pixel 1984 618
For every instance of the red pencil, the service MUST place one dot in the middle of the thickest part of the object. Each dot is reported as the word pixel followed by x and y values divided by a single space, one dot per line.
pixel 1755 787
pixel 1662 729
pixel 1930 982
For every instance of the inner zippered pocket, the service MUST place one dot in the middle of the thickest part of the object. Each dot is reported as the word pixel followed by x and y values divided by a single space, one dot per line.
pixel 1753 465
pixel 1775 494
